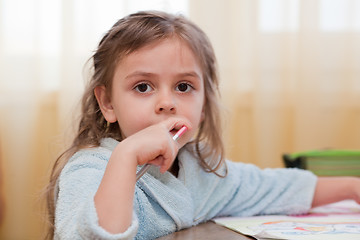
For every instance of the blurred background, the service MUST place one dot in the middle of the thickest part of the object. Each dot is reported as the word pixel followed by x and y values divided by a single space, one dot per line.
pixel 290 73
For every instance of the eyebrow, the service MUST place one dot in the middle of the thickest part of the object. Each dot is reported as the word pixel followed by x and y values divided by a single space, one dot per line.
pixel 149 74
pixel 189 74
pixel 139 73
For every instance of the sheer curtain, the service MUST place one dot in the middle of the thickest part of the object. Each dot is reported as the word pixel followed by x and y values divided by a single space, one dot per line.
pixel 44 45
pixel 290 72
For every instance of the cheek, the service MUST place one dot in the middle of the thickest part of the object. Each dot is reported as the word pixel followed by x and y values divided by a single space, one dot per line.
pixel 132 119
pixel 197 115
pixel 196 119
pixel 201 108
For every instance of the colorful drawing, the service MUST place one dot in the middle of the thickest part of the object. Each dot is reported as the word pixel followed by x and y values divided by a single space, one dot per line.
pixel 307 228
pixel 332 222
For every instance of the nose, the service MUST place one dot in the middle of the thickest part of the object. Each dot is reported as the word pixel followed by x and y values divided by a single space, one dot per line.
pixel 165 103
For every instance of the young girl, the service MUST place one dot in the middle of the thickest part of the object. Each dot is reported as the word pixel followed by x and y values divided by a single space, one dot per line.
pixel 154 73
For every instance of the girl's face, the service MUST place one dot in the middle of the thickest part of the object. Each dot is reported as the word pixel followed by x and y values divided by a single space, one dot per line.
pixel 156 82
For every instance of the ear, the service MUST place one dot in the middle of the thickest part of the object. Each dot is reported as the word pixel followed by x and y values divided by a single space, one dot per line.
pixel 105 104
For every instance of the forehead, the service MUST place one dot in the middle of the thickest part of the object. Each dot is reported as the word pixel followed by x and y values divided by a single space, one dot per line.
pixel 175 41
pixel 172 52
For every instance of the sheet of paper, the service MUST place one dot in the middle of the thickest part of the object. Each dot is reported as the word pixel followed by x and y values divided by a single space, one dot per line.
pixel 334 221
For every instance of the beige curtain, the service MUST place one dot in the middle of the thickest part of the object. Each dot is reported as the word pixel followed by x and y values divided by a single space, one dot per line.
pixel 290 74
pixel 44 45
pixel 288 85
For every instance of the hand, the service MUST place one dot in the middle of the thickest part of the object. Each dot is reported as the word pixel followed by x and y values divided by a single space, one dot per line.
pixel 357 190
pixel 154 144
pixel 333 189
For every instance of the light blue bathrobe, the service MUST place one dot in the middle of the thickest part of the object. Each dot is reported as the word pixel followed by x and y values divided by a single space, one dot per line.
pixel 164 203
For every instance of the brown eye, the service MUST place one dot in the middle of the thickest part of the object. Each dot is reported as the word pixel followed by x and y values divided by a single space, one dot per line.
pixel 183 87
pixel 143 88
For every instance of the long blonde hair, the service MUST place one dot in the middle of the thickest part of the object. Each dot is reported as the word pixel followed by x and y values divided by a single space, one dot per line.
pixel 126 36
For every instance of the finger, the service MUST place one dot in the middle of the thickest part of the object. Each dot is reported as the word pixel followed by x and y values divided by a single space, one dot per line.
pixel 162 162
pixel 166 165
pixel 158 161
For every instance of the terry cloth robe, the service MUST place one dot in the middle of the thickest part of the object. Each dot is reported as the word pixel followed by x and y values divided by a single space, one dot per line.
pixel 164 203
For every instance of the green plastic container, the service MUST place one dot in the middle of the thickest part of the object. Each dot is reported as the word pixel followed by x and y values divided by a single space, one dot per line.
pixel 326 162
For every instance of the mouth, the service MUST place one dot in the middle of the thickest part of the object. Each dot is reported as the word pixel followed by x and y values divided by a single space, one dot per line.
pixel 174 130
pixel 178 132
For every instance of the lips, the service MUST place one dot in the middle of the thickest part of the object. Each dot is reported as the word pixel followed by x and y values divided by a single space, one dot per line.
pixel 174 131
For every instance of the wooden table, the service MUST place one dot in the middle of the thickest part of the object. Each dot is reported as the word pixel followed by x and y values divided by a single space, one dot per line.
pixel 208 231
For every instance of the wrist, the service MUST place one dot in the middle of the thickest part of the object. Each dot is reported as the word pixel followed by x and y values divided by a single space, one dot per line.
pixel 125 157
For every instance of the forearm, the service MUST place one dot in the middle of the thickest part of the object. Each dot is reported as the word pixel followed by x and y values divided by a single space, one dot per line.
pixel 114 198
pixel 333 189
